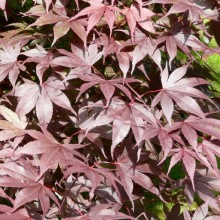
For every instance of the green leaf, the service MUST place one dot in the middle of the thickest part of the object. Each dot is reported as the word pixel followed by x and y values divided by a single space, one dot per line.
pixel 213 62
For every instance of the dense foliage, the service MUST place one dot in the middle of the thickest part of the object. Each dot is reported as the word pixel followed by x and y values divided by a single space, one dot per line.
pixel 109 109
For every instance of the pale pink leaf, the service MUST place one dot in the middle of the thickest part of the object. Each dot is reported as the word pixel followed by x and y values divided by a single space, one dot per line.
pixel 190 134
pixel 174 159
pixel 124 62
pixel 190 165
pixel 110 18
pixel 94 19
pixel 108 91
pixel 167 106
pixel 144 181
pixel 27 103
pixel 60 29
pixel 26 195
pixel 44 108
pixel 186 215
pixel 164 76
pixel 201 212
pixel 12 117
pixel 140 51
pixel 120 131
pixel 188 104
pixel 171 48
pixel 176 75
pixel 9 134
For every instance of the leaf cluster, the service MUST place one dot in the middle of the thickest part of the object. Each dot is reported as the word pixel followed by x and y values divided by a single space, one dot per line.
pixel 109 109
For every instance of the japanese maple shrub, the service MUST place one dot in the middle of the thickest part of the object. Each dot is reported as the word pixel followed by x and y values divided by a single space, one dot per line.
pixel 106 112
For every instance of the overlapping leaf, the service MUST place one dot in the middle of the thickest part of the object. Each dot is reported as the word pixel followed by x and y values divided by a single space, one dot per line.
pixel 9 62
pixel 106 161
pixel 95 12
pixel 13 126
pixel 42 97
pixel 106 86
pixel 79 58
pixel 27 177
pixel 53 153
pixel 178 89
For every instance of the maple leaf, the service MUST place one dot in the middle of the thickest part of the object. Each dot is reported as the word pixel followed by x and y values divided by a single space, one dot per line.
pixel 83 121
pixel 81 58
pixel 189 129
pixel 188 158
pixel 124 62
pixel 13 126
pixel 53 153
pixel 9 62
pixel 90 172
pixel 103 157
pixel 133 18
pixel 95 175
pixel 95 12
pixel 128 173
pixel 204 184
pixel 124 116
pixel 171 46
pixel 145 47
pixel 195 8
pixel 42 97
pixel 208 126
pixel 200 213
pixel 179 89
pixel 182 38
pixel 106 86
pixel 152 129
pixel 211 150
pixel 63 24
pixel 26 176
pixel 20 214
pixel 110 45
pixel 42 57
pixel 102 211
pixel 107 214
